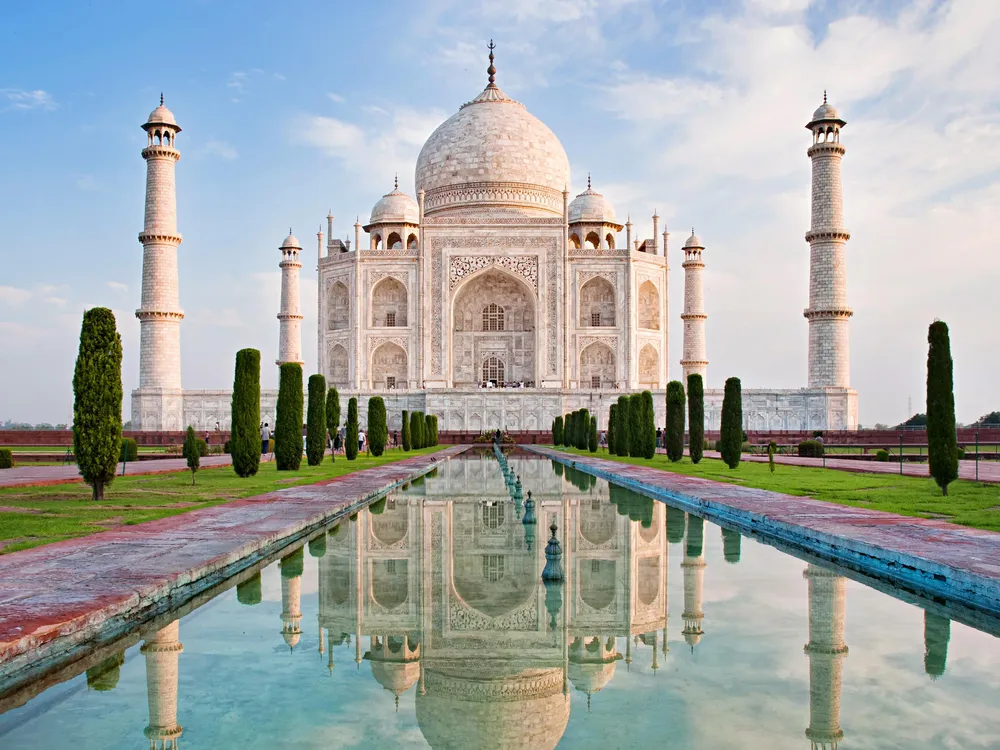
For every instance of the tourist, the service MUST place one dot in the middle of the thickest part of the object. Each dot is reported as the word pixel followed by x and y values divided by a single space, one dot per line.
pixel 395 438
pixel 265 439
pixel 361 440
pixel 659 437
pixel 337 442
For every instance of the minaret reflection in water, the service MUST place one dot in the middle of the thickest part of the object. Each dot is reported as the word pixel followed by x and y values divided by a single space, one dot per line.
pixel 162 650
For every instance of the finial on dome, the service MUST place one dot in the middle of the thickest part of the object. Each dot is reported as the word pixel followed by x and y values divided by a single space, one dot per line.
pixel 289 230
pixel 161 98
pixel 397 704
pixel 588 180
pixel 692 231
pixel 492 71
pixel 395 183
pixel 824 96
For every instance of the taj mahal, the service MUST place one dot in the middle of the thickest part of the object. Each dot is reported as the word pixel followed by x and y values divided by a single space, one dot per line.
pixel 494 298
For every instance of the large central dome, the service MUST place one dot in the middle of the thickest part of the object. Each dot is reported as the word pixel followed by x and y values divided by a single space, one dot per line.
pixel 495 153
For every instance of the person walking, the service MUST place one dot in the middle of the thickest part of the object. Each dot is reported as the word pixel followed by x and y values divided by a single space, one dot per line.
pixel 265 439
pixel 361 440
pixel 395 438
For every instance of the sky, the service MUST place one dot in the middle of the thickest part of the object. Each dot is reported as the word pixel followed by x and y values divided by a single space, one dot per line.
pixel 693 109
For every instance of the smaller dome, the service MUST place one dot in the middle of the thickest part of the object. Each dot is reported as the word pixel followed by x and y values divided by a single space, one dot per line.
pixel 161 116
pixel 395 208
pixel 396 677
pixel 694 241
pixel 591 677
pixel 825 111
pixel 291 638
pixel 290 242
pixel 592 207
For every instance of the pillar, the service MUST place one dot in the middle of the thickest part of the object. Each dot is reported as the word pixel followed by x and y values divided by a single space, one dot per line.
pixel 695 360
pixel 290 315
pixel 826 650
pixel 162 651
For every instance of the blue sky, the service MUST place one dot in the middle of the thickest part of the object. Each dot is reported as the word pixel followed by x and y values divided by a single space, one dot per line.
pixel 694 109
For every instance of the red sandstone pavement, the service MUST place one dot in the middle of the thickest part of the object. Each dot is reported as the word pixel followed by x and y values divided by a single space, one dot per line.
pixel 28 475
pixel 960 563
pixel 989 471
pixel 57 597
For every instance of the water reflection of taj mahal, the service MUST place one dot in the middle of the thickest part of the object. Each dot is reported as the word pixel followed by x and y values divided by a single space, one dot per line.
pixel 438 588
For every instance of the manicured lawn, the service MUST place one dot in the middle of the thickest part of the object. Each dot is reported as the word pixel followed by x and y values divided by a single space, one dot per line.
pixel 968 503
pixel 30 516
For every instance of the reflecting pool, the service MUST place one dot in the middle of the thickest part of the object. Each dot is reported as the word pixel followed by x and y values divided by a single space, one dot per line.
pixel 423 621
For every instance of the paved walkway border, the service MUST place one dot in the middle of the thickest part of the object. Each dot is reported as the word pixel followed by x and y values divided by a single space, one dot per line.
pixel 60 600
pixel 27 475
pixel 937 559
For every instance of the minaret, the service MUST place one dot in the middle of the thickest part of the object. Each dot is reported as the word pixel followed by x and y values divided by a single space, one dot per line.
pixel 159 311
pixel 693 566
pixel 828 313
pixel 695 361
pixel 162 651
pixel 826 649
pixel 290 316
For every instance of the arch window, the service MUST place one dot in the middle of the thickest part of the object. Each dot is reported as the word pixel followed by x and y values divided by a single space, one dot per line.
pixel 574 242
pixel 649 306
pixel 411 242
pixel 493 317
pixel 340 307
pixel 389 304
pixel 597 303
pixel 376 242
pixel 493 516
pixel 493 370
pixel 593 241
pixel 493 568
pixel 610 239
pixel 395 242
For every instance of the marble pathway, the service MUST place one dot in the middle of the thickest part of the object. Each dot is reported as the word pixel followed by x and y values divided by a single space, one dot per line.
pixel 989 471
pixel 60 598
pixel 934 557
pixel 34 475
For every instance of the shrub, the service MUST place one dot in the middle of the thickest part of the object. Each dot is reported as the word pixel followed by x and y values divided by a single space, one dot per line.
pixel 288 422
pixel 675 420
pixel 942 449
pixel 129 450
pixel 228 446
pixel 432 429
pixel 351 441
pixel 648 425
pixel 635 436
pixel 202 447
pixel 612 435
pixel 568 440
pixel 6 458
pixel 771 447
pixel 244 440
pixel 333 416
pixel 249 592
pixel 676 524
pixel 317 546
pixel 97 400
pixel 293 564
pixel 415 424
pixel 960 453
pixel 583 429
pixel 731 432
pixel 622 426
pixel 406 430
pixel 316 421
pixel 557 431
pixel 882 455
pixel 811 449
pixel 378 430
pixel 696 417
pixel 191 451
pixel 592 443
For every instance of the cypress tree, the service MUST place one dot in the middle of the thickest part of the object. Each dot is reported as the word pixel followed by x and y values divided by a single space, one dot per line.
pixel 191 452
pixel 244 441
pixel 573 436
pixel 583 430
pixel 676 524
pixel 423 429
pixel 351 444
pixel 406 430
pixel 97 400
pixel 731 542
pixel 675 420
pixel 557 431
pixel 612 417
pixel 316 421
pixel 333 416
pixel 648 425
pixel 592 443
pixel 568 431
pixel 415 430
pixel 942 446
pixel 731 429
pixel 622 426
pixel 432 429
pixel 696 417
pixel 635 441
pixel 378 430
pixel 288 422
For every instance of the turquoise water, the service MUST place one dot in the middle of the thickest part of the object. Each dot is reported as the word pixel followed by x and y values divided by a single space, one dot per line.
pixel 424 622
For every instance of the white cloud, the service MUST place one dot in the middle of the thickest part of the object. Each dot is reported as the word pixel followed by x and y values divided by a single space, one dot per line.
pixel 23 100
pixel 336 98
pixel 118 286
pixel 12 295
pixel 222 149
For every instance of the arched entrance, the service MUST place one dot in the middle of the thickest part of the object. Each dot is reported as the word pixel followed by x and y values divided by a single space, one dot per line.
pixel 493 330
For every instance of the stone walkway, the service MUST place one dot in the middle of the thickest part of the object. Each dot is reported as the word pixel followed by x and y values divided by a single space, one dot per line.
pixel 935 558
pixel 33 475
pixel 60 599
pixel 989 471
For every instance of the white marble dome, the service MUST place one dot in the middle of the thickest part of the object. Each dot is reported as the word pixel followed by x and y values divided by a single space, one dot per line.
pixel 290 243
pixel 162 116
pixel 591 207
pixel 493 151
pixel 694 241
pixel 825 111
pixel 395 208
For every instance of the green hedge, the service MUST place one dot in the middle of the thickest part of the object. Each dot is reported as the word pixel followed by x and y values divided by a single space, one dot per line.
pixel 406 430
pixel 351 440
pixel 288 423
pixel 432 429
pixel 675 421
pixel 333 417
pixel 6 458
pixel 882 455
pixel 635 432
pixel 129 450
pixel 648 426
pixel 942 448
pixel 244 441
pixel 592 443
pixel 192 451
pixel 622 426
pixel 810 449
pixel 557 431
pixel 378 430
pixel 731 432
pixel 611 434
pixel 696 416
pixel 316 421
